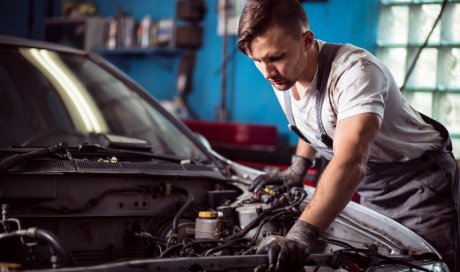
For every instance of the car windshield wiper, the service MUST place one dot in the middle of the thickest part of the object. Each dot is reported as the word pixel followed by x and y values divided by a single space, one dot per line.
pixel 95 149
pixel 131 145
pixel 63 151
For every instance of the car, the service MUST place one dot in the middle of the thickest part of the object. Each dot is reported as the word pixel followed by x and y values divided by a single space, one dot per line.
pixel 95 175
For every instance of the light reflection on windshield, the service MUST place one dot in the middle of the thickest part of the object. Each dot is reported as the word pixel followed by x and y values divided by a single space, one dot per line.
pixel 50 97
pixel 84 112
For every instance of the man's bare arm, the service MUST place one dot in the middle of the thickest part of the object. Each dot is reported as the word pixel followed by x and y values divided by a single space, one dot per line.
pixel 305 150
pixel 340 179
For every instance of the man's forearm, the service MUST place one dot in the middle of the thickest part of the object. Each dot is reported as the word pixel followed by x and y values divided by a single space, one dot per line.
pixel 340 179
pixel 305 150
pixel 335 189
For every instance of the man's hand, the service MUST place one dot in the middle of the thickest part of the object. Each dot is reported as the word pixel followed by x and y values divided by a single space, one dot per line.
pixel 289 253
pixel 293 176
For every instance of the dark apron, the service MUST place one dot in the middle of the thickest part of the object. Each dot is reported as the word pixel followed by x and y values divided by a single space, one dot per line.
pixel 421 194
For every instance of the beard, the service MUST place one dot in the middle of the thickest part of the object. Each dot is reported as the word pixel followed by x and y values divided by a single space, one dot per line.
pixel 282 83
pixel 290 77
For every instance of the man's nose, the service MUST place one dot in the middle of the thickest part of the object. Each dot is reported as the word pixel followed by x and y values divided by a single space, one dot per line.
pixel 267 70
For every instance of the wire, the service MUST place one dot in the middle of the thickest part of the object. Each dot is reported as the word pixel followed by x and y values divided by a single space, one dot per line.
pixel 224 246
pixel 266 220
pixel 254 223
pixel 177 246
pixel 301 195
pixel 342 244
pixel 169 249
pixel 412 66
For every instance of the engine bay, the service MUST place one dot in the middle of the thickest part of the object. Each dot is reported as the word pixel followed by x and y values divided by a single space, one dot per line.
pixel 54 219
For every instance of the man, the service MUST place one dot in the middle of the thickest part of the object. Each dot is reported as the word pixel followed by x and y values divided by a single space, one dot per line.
pixel 399 161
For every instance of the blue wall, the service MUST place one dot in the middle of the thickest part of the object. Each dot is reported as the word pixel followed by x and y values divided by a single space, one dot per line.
pixel 16 15
pixel 249 97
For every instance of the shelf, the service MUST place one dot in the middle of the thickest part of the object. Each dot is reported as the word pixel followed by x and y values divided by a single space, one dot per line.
pixel 161 51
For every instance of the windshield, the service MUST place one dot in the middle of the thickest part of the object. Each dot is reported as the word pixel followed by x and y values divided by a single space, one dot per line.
pixel 49 97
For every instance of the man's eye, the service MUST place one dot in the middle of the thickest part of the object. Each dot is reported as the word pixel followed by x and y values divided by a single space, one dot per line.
pixel 274 58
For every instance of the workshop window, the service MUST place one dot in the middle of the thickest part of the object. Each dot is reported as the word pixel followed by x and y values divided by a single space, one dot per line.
pixel 433 86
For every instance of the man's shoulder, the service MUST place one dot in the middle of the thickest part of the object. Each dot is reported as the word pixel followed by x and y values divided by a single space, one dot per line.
pixel 346 48
pixel 353 58
pixel 349 53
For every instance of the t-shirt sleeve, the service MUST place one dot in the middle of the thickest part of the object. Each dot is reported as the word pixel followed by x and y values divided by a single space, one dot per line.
pixel 362 88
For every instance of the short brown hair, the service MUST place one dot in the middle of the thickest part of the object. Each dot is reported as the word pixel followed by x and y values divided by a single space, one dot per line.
pixel 259 15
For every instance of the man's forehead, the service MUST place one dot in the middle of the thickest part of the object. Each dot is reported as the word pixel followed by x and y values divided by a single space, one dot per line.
pixel 262 53
pixel 272 41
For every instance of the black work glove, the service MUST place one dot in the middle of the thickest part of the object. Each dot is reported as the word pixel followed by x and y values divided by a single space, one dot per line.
pixel 293 176
pixel 289 253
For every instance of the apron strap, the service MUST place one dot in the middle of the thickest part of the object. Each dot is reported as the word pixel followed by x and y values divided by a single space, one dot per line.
pixel 326 57
pixel 440 128
pixel 292 127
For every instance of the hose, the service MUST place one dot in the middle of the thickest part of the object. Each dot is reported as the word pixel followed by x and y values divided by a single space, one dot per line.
pixel 45 236
pixel 254 223
pixel 57 245
pixel 175 224
pixel 16 159
pixel 271 218
pixel 295 203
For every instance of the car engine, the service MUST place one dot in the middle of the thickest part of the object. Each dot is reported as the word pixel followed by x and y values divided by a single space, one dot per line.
pixel 64 220
pixel 110 212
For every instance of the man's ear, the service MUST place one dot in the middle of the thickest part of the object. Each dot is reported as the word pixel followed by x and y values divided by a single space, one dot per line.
pixel 308 39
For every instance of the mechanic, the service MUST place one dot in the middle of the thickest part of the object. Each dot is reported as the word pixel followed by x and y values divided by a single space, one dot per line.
pixel 345 104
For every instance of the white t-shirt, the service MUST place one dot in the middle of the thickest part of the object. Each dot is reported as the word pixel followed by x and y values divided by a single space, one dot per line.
pixel 360 83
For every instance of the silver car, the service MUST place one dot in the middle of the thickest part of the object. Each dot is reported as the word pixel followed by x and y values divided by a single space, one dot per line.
pixel 96 176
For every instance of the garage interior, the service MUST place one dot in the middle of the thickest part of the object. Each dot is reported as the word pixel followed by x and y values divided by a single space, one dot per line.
pixel 184 54
pixel 188 62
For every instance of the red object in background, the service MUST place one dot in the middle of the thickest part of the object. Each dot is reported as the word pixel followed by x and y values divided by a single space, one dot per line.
pixel 235 133
pixel 253 145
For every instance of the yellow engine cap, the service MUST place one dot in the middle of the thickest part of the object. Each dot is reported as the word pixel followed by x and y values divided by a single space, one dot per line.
pixel 270 191
pixel 207 214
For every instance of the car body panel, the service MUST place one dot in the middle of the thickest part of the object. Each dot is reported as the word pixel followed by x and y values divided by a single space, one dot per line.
pixel 127 206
